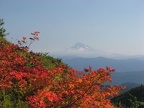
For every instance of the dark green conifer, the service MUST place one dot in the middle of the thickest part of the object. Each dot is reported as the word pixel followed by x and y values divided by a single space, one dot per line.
pixel 2 30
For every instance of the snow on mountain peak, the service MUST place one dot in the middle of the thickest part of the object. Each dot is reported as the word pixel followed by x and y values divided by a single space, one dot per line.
pixel 79 47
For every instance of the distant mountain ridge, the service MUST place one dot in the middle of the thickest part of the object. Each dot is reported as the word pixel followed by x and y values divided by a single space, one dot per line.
pixel 125 65
pixel 83 50
pixel 127 70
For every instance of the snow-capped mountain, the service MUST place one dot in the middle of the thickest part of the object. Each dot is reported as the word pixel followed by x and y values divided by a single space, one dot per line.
pixel 79 47
pixel 80 50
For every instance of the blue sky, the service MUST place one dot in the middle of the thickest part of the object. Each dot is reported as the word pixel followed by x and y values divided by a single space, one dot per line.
pixel 110 25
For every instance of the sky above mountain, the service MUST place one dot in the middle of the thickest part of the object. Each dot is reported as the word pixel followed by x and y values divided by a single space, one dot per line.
pixel 115 26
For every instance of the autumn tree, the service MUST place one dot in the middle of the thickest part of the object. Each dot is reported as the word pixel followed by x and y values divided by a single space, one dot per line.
pixel 25 82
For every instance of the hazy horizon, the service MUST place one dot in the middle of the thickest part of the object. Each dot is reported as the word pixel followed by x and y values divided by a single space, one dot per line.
pixel 109 25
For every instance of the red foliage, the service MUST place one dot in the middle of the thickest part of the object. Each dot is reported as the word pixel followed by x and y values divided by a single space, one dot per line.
pixel 60 87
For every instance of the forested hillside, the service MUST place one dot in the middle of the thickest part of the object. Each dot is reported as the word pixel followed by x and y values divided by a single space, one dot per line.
pixel 133 98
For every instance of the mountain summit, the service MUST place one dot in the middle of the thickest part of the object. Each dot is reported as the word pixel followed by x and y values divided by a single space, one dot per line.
pixel 79 47
pixel 81 50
